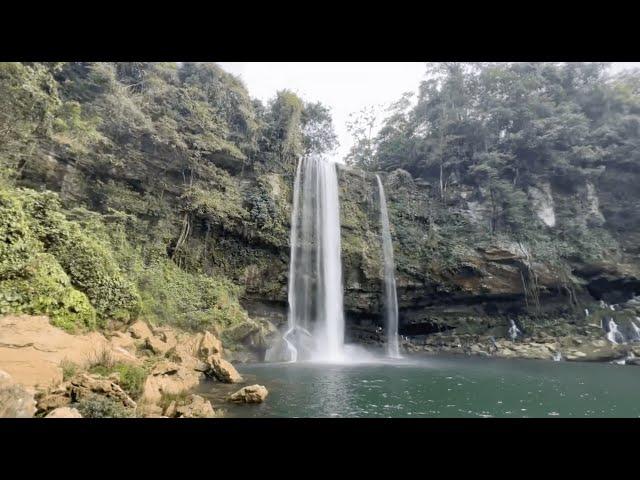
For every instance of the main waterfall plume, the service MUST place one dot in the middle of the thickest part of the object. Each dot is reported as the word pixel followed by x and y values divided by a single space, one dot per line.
pixel 390 295
pixel 316 316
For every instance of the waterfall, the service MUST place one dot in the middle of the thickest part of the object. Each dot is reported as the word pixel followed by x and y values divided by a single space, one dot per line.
pixel 636 330
pixel 614 335
pixel 316 317
pixel 514 331
pixel 391 297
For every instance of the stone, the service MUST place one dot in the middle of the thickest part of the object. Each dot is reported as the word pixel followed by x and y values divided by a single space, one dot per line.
pixel 48 402
pixel 241 331
pixel 249 394
pixel 168 378
pixel 165 368
pixel 182 356
pixel 140 330
pixel 195 407
pixel 596 350
pixel 167 335
pixel 84 385
pixel 171 409
pixel 122 340
pixel 147 410
pixel 209 345
pixel 64 412
pixel 15 400
pixel 156 345
pixel 222 370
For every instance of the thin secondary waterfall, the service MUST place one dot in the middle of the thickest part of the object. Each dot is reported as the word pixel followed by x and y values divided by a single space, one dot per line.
pixel 390 295
pixel 315 271
pixel 614 335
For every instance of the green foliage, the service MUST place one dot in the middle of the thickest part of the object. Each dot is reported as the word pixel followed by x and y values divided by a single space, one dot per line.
pixel 17 241
pixel 168 398
pixel 51 265
pixel 98 406
pixel 131 377
pixel 190 301
pixel 69 369
pixel 86 259
pixel 268 209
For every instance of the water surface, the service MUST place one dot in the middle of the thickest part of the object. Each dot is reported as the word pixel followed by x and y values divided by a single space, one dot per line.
pixel 439 387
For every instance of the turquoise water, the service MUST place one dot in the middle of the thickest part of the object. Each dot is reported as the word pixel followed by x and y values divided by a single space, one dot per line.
pixel 439 387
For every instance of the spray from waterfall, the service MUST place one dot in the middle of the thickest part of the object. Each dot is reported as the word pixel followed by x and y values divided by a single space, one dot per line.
pixel 390 294
pixel 316 317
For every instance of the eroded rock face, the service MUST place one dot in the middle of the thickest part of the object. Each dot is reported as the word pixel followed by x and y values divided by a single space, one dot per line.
pixel 249 394
pixel 222 370
pixel 64 412
pixel 15 400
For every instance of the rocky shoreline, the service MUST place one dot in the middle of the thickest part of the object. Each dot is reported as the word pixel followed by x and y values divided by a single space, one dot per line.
pixel 140 372
pixel 542 347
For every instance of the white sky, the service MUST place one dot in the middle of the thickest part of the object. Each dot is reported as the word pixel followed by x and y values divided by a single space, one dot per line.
pixel 345 87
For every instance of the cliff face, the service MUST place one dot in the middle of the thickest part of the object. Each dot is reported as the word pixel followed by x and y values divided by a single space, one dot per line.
pixel 218 207
pixel 449 267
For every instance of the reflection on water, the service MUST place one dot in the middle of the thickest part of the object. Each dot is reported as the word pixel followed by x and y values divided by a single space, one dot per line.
pixel 439 387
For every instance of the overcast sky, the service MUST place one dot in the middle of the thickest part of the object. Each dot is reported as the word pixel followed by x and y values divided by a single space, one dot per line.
pixel 345 87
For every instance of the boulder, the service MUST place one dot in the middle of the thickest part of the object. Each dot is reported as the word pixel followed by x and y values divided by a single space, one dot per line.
pixel 51 401
pixel 122 340
pixel 167 335
pixel 249 394
pixel 15 400
pixel 84 385
pixel 195 407
pixel 156 345
pixel 596 350
pixel 64 412
pixel 209 345
pixel 148 410
pixel 140 330
pixel 239 332
pixel 219 368
pixel 168 378
pixel 170 411
pixel 182 356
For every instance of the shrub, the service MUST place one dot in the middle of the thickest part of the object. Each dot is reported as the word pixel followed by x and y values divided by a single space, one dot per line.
pixel 69 369
pixel 86 259
pixel 189 300
pixel 97 406
pixel 17 242
pixel 132 379
pixel 46 289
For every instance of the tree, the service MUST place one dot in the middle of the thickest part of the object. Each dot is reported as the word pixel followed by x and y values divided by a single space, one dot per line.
pixel 362 125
